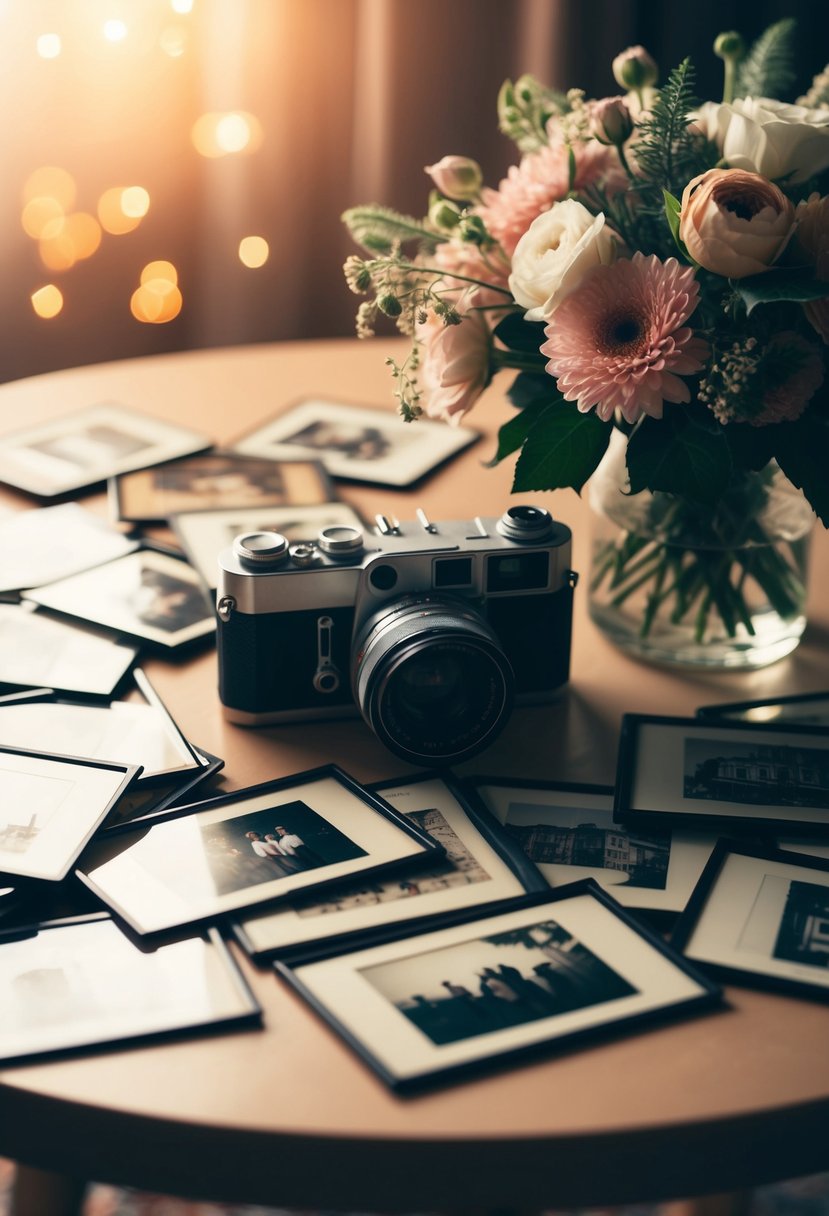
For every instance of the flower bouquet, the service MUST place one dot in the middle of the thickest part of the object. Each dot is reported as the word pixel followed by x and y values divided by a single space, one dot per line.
pixel 656 270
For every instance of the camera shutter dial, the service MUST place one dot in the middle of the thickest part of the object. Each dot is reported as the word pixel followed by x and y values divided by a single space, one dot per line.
pixel 525 523
pixel 341 540
pixel 264 549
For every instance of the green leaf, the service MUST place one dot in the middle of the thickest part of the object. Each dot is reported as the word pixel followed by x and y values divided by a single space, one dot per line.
pixel 673 208
pixel 512 434
pixel 802 450
pixel 676 454
pixel 531 388
pixel 779 285
pixel 562 448
pixel 518 334
pixel 378 228
pixel 752 447
pixel 767 70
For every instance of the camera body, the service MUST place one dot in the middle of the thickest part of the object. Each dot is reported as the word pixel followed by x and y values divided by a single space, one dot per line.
pixel 430 630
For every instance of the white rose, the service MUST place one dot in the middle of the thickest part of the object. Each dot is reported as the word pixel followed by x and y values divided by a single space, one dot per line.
pixel 768 137
pixel 554 255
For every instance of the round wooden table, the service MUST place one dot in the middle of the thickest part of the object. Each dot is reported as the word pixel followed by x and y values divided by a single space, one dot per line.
pixel 288 1115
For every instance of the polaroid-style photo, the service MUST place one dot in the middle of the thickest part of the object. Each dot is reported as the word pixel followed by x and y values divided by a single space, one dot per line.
pixel 760 915
pixel 49 808
pixel 264 843
pixel 144 802
pixel 147 595
pixel 568 832
pixel 216 480
pixel 49 543
pixel 480 866
pixel 77 983
pixel 38 651
pixel 204 534
pixel 558 967
pixel 81 449
pixel 357 443
pixel 808 709
pixel 726 776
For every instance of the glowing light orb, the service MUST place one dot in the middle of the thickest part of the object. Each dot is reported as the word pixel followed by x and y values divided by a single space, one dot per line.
pixel 52 182
pixel 253 251
pixel 156 302
pixel 121 208
pixel 47 301
pixel 115 31
pixel 225 134
pixel 181 6
pixel 161 272
pixel 39 214
pixel 135 202
pixel 49 46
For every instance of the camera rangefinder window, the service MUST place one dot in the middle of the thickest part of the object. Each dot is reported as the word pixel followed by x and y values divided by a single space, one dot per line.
pixel 453 572
pixel 518 572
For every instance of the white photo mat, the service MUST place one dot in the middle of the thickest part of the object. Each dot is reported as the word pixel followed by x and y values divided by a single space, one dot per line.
pixel 49 543
pixel 38 651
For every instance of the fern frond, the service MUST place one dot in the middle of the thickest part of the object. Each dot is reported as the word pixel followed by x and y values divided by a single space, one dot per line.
pixel 818 95
pixel 767 70
pixel 379 229
pixel 669 153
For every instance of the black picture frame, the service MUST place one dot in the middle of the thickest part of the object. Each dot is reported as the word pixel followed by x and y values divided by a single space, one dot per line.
pixel 768 909
pixel 130 872
pixel 143 804
pixel 666 873
pixel 672 770
pixel 474 843
pixel 101 973
pixel 804 709
pixel 406 1054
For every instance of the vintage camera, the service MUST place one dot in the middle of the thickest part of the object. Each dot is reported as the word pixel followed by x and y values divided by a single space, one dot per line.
pixel 431 631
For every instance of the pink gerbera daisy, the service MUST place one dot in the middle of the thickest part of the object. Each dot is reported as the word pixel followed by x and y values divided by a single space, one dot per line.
pixel 619 341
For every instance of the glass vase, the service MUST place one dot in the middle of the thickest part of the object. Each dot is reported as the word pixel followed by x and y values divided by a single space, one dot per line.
pixel 679 583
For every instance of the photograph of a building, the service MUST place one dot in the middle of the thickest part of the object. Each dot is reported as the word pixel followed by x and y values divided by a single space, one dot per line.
pixel 778 774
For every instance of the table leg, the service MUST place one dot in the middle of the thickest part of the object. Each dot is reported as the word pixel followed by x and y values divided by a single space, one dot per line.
pixel 38 1193
pixel 730 1203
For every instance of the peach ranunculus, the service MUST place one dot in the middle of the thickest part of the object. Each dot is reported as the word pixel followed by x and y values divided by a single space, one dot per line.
pixel 769 137
pixel 812 244
pixel 456 359
pixel 734 223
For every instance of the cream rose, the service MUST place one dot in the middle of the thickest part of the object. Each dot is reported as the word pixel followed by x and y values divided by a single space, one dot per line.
pixel 734 223
pixel 768 137
pixel 554 255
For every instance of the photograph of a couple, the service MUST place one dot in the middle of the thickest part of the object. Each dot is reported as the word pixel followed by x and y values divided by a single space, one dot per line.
pixel 492 983
pixel 267 845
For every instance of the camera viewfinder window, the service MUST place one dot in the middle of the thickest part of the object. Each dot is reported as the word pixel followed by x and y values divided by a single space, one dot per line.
pixel 453 572
pixel 517 572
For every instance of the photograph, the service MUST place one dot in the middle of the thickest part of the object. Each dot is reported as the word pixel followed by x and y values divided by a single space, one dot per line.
pixel 216 480
pixel 49 808
pixel 760 916
pixel 49 543
pixel 568 832
pixel 82 449
pixel 736 777
pixel 144 802
pixel 147 595
pixel 79 983
pixel 480 866
pixel 357 443
pixel 545 969
pixel 38 651
pixel 239 850
pixel 808 709
pixel 204 534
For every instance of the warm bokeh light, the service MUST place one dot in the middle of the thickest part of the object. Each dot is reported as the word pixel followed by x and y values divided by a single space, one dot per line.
pixel 181 6
pixel 39 214
pixel 253 251
pixel 135 202
pixel 49 46
pixel 47 301
pixel 156 302
pixel 163 272
pixel 223 134
pixel 57 252
pixel 115 30
pixel 65 240
pixel 121 208
pixel 85 233
pixel 173 40
pixel 52 182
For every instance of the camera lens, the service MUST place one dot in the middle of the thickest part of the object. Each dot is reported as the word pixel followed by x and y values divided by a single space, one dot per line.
pixel 431 679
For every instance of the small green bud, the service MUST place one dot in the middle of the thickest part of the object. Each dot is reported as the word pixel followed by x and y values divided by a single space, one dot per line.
pixel 729 45
pixel 471 228
pixel 390 305
pixel 635 68
pixel 444 215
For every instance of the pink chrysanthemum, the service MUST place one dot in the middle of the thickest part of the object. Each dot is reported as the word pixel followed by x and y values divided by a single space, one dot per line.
pixel 541 179
pixel 619 341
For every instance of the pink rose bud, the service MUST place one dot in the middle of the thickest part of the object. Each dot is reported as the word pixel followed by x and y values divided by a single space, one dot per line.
pixel 635 68
pixel 457 177
pixel 734 223
pixel 610 120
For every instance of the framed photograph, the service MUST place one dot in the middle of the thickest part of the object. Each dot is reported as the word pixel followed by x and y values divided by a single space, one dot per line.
pixel 357 443
pixel 264 843
pixel 760 916
pixel 568 832
pixel 723 776
pixel 144 802
pixel 39 651
pixel 204 534
pixel 216 480
pixel 481 865
pixel 145 595
pixel 49 543
pixel 49 808
pixel 77 983
pixel 808 709
pixel 86 447
pixel 553 970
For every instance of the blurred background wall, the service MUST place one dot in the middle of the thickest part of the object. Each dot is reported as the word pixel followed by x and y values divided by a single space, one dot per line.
pixel 208 147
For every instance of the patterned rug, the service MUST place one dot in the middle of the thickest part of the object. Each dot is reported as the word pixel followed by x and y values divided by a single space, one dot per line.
pixel 803 1197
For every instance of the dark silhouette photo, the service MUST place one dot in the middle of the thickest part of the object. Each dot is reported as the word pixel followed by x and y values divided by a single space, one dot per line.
pixel 803 936
pixel 766 774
